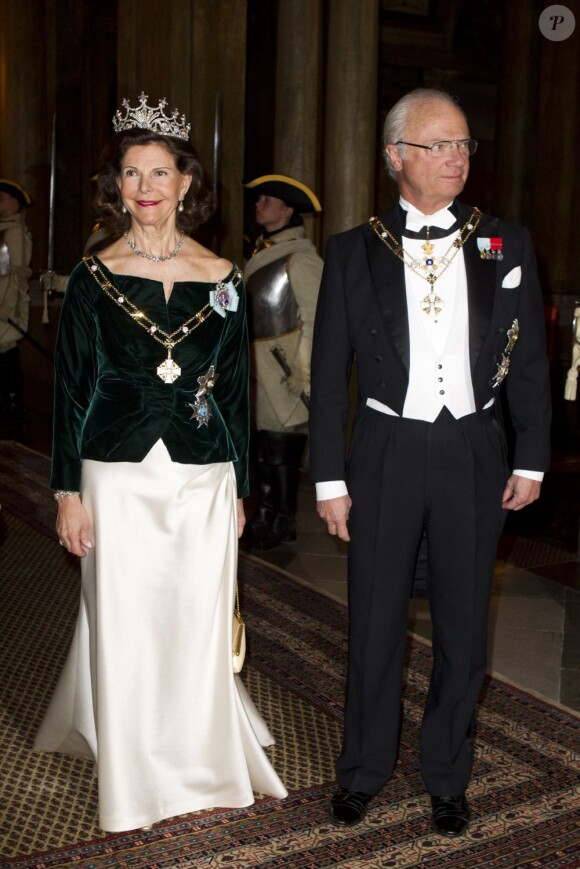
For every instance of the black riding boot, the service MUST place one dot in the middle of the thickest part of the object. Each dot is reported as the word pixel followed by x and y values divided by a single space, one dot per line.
pixel 260 525
pixel 285 477
pixel 11 397
pixel 276 474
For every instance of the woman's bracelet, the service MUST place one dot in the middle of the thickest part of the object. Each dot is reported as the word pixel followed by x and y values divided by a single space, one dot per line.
pixel 60 494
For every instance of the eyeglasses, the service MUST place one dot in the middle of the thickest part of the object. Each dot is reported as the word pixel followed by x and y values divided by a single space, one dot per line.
pixel 465 147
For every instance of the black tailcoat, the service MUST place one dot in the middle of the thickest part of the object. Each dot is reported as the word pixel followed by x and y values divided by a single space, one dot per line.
pixel 407 476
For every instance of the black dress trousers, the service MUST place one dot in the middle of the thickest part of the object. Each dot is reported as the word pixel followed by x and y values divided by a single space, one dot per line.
pixel 404 476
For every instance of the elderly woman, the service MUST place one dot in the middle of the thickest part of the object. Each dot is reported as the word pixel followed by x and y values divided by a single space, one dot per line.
pixel 150 468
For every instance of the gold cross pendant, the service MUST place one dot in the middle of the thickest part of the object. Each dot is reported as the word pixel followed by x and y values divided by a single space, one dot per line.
pixel 432 304
pixel 169 370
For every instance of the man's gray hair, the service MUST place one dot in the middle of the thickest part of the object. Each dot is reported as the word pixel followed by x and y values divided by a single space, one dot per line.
pixel 396 120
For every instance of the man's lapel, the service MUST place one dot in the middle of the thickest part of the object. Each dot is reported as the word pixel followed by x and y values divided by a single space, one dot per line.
pixel 387 272
pixel 481 281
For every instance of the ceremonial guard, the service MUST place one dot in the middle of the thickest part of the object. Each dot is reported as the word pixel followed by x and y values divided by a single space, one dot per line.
pixel 15 254
pixel 283 277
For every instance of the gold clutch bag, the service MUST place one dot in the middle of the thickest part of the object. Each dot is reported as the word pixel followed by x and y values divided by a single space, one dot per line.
pixel 238 636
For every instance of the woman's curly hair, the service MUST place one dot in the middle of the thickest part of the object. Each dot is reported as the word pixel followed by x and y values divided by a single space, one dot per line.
pixel 198 203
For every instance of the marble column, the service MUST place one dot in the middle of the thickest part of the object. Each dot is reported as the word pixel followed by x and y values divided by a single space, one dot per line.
pixel 154 50
pixel 219 70
pixel 517 112
pixel 191 52
pixel 350 135
pixel 298 92
pixel 556 180
pixel 24 130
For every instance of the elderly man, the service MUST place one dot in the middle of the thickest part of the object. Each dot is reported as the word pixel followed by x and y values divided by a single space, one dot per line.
pixel 436 301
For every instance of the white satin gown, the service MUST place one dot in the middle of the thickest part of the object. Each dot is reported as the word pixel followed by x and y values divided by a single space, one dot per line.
pixel 148 689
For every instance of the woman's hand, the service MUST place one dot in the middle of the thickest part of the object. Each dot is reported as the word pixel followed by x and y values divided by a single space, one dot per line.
pixel 241 517
pixel 72 526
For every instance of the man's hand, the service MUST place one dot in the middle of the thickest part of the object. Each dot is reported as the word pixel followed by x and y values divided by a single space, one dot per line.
pixel 296 384
pixel 72 526
pixel 519 492
pixel 335 512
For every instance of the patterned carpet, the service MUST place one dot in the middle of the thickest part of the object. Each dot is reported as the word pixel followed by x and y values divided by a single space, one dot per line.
pixel 525 791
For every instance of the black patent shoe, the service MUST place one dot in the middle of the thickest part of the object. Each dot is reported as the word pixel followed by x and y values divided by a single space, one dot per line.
pixel 348 808
pixel 450 815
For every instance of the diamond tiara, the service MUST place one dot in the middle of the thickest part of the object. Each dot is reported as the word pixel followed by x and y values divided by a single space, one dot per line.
pixel 144 117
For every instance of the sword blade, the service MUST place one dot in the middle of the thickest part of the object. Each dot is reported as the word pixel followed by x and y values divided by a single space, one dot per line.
pixel 50 265
pixel 31 340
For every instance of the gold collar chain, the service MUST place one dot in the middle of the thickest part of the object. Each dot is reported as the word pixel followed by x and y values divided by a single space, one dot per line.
pixel 415 265
pixel 168 370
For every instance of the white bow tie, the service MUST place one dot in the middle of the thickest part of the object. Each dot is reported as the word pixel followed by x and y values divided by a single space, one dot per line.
pixel 416 220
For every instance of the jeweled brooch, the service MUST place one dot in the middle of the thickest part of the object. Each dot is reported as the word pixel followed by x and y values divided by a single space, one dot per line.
pixel 224 298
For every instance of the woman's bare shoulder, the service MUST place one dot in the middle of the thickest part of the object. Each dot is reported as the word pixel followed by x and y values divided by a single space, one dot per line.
pixel 115 256
pixel 206 264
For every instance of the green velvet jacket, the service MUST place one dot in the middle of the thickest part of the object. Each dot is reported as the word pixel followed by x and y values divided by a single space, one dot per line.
pixel 110 404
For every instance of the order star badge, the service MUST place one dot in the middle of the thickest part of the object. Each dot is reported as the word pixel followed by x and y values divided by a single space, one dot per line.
pixel 503 366
pixel 202 412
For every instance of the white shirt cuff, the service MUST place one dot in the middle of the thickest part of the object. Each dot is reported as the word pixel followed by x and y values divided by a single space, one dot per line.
pixel 330 489
pixel 336 488
pixel 530 475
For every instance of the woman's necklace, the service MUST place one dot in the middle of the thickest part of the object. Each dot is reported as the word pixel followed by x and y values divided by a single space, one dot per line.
pixel 151 256
pixel 168 370
pixel 428 269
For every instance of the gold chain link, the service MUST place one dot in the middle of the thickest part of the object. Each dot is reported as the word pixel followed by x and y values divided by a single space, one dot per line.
pixel 397 248
pixel 153 329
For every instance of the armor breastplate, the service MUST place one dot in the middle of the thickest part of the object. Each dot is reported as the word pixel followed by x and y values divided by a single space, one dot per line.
pixel 4 255
pixel 271 301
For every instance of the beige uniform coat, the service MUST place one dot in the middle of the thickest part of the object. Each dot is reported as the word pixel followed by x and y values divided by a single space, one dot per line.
pixel 277 403
pixel 14 298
